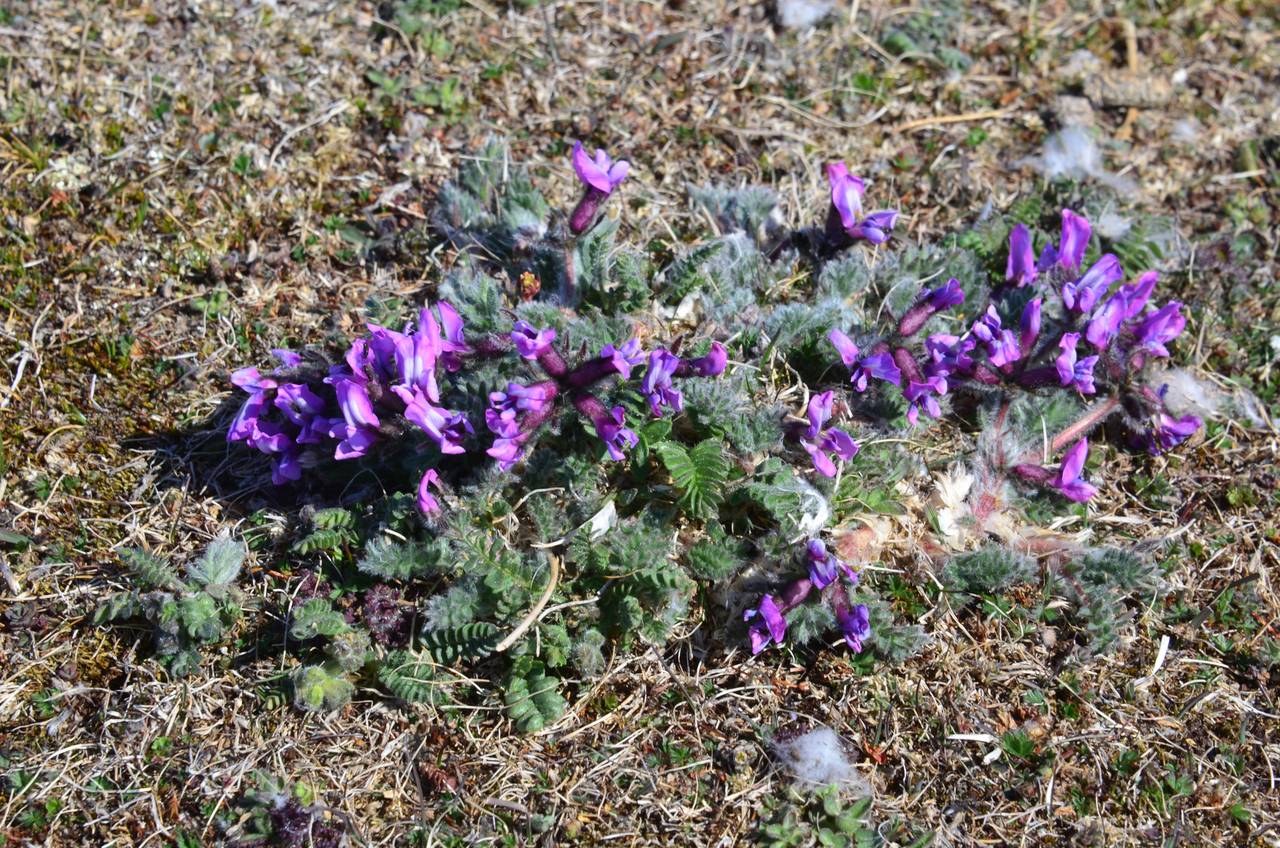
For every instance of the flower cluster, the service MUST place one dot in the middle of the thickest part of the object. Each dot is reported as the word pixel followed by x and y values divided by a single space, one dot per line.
pixel 387 378
pixel 1052 325
pixel 767 623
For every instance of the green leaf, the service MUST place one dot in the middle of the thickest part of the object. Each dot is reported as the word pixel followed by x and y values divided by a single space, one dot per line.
pixel 412 677
pixel 151 571
pixel 220 564
pixel 316 617
pixel 700 474
pixel 319 689
pixel 532 699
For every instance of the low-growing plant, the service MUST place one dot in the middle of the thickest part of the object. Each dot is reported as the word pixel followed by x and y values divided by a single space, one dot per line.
pixel 186 612
pixel 580 446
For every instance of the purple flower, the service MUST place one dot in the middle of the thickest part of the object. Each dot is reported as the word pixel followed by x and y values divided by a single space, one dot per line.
pixel 855 624
pixel 846 199
pixel 508 449
pixel 1021 266
pixel 358 428
pixel 251 380
pixel 1002 345
pixel 1159 328
pixel 1068 480
pixel 286 468
pixel 427 503
pixel 616 437
pixel 1083 294
pixel 288 359
pixel 819 442
pixel 298 403
pixel 1169 432
pixel 1029 326
pixel 245 423
pixel 600 173
pixel 946 295
pixel 656 385
pixel 825 568
pixel 531 343
pixel 447 429
pixel 452 341
pixel 923 395
pixel 949 354
pixel 930 301
pixel 1073 372
pixel 1075 240
pixel 879 366
pixel 711 365
pixel 766 624
pixel 623 358
pixel 1138 293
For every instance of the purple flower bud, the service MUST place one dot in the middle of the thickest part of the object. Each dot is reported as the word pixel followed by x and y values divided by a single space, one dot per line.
pixel 531 343
pixel 1159 328
pixel 427 503
pixel 1138 293
pixel 1029 326
pixel 288 359
pixel 1073 372
pixel 766 624
pixel 246 420
pixel 713 364
pixel 623 358
pixel 1021 266
pixel 825 568
pixel 657 386
pixel 931 301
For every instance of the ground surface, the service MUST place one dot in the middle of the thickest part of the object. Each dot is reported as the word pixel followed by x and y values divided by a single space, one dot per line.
pixel 183 186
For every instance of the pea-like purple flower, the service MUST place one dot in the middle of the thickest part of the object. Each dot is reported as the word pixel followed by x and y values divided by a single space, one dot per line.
pixel 1082 294
pixel 1159 328
pixel 766 624
pixel 823 443
pixel 616 437
pixel 1070 251
pixel 427 502
pixel 846 202
pixel 862 369
pixel 623 357
pixel 711 365
pixel 824 567
pixel 657 386
pixel 1020 268
pixel 1169 432
pixel 447 429
pixel 530 342
pixel 600 176
pixel 1003 346
pixel 1073 371
pixel 924 395
pixel 358 427
pixel 1068 480
pixel 949 354
pixel 855 625
pixel 1029 326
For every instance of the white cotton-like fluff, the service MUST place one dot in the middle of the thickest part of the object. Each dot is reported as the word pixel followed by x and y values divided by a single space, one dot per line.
pixel 1188 394
pixel 1071 152
pixel 1185 130
pixel 802 14
pixel 817 759
pixel 1112 225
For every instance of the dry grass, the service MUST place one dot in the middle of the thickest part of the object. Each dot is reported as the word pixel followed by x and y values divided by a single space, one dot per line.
pixel 150 154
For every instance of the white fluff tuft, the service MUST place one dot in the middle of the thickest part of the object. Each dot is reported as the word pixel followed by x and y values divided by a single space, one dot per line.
pixel 1071 152
pixel 1112 225
pixel 802 14
pixel 1186 131
pixel 817 759
pixel 1185 393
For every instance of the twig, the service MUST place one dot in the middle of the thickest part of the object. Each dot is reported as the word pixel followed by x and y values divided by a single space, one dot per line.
pixel 920 123
pixel 532 615
pixel 332 112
